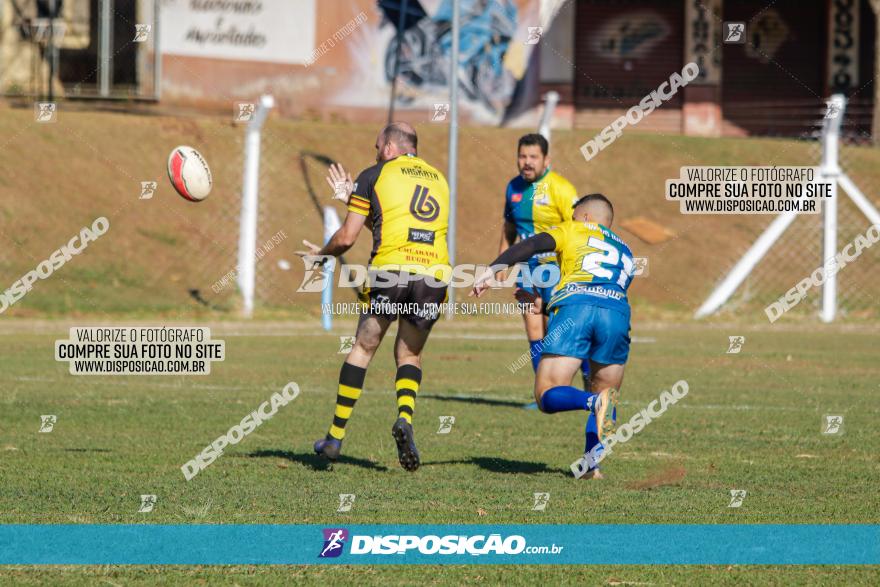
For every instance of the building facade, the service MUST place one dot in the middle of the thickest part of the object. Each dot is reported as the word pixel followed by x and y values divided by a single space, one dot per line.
pixel 792 55
pixel 337 59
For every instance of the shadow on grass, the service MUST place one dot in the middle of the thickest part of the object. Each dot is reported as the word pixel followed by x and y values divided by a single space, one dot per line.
pixel 316 462
pixel 499 465
pixel 472 399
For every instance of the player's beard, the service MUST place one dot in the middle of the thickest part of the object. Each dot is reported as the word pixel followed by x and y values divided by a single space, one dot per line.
pixel 532 172
pixel 382 157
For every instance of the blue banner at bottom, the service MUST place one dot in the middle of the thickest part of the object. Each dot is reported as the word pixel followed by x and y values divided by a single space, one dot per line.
pixel 265 544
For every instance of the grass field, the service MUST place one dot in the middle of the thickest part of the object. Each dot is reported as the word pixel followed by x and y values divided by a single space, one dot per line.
pixel 158 251
pixel 751 421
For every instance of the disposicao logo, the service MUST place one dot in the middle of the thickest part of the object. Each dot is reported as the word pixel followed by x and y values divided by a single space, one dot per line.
pixel 334 541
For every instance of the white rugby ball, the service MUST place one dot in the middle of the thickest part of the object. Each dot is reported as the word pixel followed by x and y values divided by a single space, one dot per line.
pixel 189 173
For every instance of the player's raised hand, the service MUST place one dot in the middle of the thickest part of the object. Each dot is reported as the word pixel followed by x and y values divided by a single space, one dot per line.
pixel 312 254
pixel 313 249
pixel 340 182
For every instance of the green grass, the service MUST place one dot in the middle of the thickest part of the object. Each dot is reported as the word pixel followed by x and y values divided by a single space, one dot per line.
pixel 445 575
pixel 751 421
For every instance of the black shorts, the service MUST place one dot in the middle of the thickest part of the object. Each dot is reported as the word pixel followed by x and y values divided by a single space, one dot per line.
pixel 415 298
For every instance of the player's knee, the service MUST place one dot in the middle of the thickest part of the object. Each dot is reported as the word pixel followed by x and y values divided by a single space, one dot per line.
pixel 366 347
pixel 405 354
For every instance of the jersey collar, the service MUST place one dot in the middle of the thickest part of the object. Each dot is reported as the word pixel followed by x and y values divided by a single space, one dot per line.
pixel 405 155
pixel 600 225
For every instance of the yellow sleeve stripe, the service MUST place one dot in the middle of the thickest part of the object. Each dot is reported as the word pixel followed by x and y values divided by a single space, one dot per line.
pixel 360 200
pixel 358 209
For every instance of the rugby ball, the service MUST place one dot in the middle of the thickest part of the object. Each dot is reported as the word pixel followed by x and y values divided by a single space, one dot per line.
pixel 189 173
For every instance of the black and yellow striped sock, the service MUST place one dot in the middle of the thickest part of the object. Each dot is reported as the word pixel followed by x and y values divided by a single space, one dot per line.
pixel 351 383
pixel 408 379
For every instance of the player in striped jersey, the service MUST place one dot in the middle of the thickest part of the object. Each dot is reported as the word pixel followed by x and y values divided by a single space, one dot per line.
pixel 405 200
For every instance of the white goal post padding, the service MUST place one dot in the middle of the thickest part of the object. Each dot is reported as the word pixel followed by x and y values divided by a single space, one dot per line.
pixel 829 169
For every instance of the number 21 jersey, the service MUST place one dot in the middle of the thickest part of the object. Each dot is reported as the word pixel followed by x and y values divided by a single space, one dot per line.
pixel 596 265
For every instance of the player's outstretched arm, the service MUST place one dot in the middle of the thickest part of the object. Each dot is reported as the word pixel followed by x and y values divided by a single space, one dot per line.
pixel 341 241
pixel 521 251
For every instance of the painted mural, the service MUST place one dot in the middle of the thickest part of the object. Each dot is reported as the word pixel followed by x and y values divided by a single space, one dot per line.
pixel 496 40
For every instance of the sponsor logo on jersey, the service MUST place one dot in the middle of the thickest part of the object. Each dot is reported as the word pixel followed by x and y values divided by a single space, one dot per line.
pixel 541 196
pixel 423 205
pixel 421 236
pixel 595 290
pixel 420 173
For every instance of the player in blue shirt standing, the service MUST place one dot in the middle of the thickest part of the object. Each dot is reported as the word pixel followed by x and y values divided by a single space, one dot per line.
pixel 535 201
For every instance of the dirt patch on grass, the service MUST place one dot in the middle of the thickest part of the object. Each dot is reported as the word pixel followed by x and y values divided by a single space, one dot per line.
pixel 666 476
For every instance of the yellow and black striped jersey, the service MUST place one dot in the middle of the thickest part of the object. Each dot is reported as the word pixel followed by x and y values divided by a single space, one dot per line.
pixel 407 202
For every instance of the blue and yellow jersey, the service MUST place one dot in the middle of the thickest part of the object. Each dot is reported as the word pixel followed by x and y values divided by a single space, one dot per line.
pixel 407 201
pixel 596 266
pixel 538 206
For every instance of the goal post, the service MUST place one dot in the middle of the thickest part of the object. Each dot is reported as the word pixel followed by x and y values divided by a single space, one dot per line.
pixel 250 189
pixel 831 173
pixel 551 99
pixel 745 265
pixel 331 225
pixel 830 169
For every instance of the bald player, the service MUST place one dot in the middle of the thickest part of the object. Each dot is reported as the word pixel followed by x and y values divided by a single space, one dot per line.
pixel 406 202
pixel 590 300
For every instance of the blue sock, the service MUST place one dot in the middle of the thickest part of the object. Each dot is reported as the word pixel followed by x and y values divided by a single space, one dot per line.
pixel 535 353
pixel 565 398
pixel 585 374
pixel 592 433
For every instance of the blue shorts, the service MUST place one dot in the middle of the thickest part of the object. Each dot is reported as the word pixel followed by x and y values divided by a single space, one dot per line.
pixel 547 275
pixel 585 331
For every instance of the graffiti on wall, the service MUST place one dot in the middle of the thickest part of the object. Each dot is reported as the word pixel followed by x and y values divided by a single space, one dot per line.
pixel 492 55
pixel 487 29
